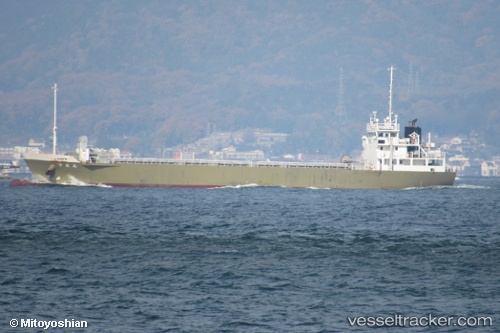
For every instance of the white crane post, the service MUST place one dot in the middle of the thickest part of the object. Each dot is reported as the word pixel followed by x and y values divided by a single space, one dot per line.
pixel 54 130
pixel 391 69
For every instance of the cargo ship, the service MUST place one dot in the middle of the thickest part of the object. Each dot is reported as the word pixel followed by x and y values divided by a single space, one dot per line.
pixel 388 161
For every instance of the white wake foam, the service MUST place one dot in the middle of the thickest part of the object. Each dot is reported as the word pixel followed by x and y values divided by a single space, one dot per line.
pixel 439 187
pixel 237 186
pixel 76 182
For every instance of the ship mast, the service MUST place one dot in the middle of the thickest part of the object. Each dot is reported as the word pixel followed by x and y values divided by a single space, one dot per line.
pixel 54 130
pixel 391 69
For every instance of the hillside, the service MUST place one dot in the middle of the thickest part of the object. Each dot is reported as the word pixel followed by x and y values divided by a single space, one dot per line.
pixel 141 76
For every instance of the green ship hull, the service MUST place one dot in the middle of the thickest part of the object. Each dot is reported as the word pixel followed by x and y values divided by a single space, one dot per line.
pixel 175 174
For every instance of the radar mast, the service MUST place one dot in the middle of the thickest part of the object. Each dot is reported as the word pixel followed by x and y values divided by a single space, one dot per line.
pixel 54 130
pixel 391 69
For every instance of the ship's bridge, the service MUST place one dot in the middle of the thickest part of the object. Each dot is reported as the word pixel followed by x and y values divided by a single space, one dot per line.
pixel 389 125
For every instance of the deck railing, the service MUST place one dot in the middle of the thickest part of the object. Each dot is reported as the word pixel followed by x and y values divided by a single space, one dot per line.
pixel 259 164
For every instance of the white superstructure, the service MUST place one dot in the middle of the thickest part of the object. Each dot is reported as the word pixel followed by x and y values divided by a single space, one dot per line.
pixel 384 149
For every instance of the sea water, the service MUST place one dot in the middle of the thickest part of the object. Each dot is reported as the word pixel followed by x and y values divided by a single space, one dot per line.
pixel 250 259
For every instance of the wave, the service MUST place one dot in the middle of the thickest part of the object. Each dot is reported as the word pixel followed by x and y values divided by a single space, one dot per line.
pixel 237 186
pixel 76 182
pixel 440 187
pixel 36 180
pixel 474 187
pixel 437 187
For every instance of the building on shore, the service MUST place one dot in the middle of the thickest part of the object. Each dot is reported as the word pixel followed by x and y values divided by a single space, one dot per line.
pixel 491 168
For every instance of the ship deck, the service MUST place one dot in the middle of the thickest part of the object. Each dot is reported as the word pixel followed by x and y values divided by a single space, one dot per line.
pixel 256 164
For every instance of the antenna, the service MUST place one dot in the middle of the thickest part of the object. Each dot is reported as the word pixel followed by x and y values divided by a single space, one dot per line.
pixel 391 69
pixel 54 130
pixel 417 84
pixel 411 87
